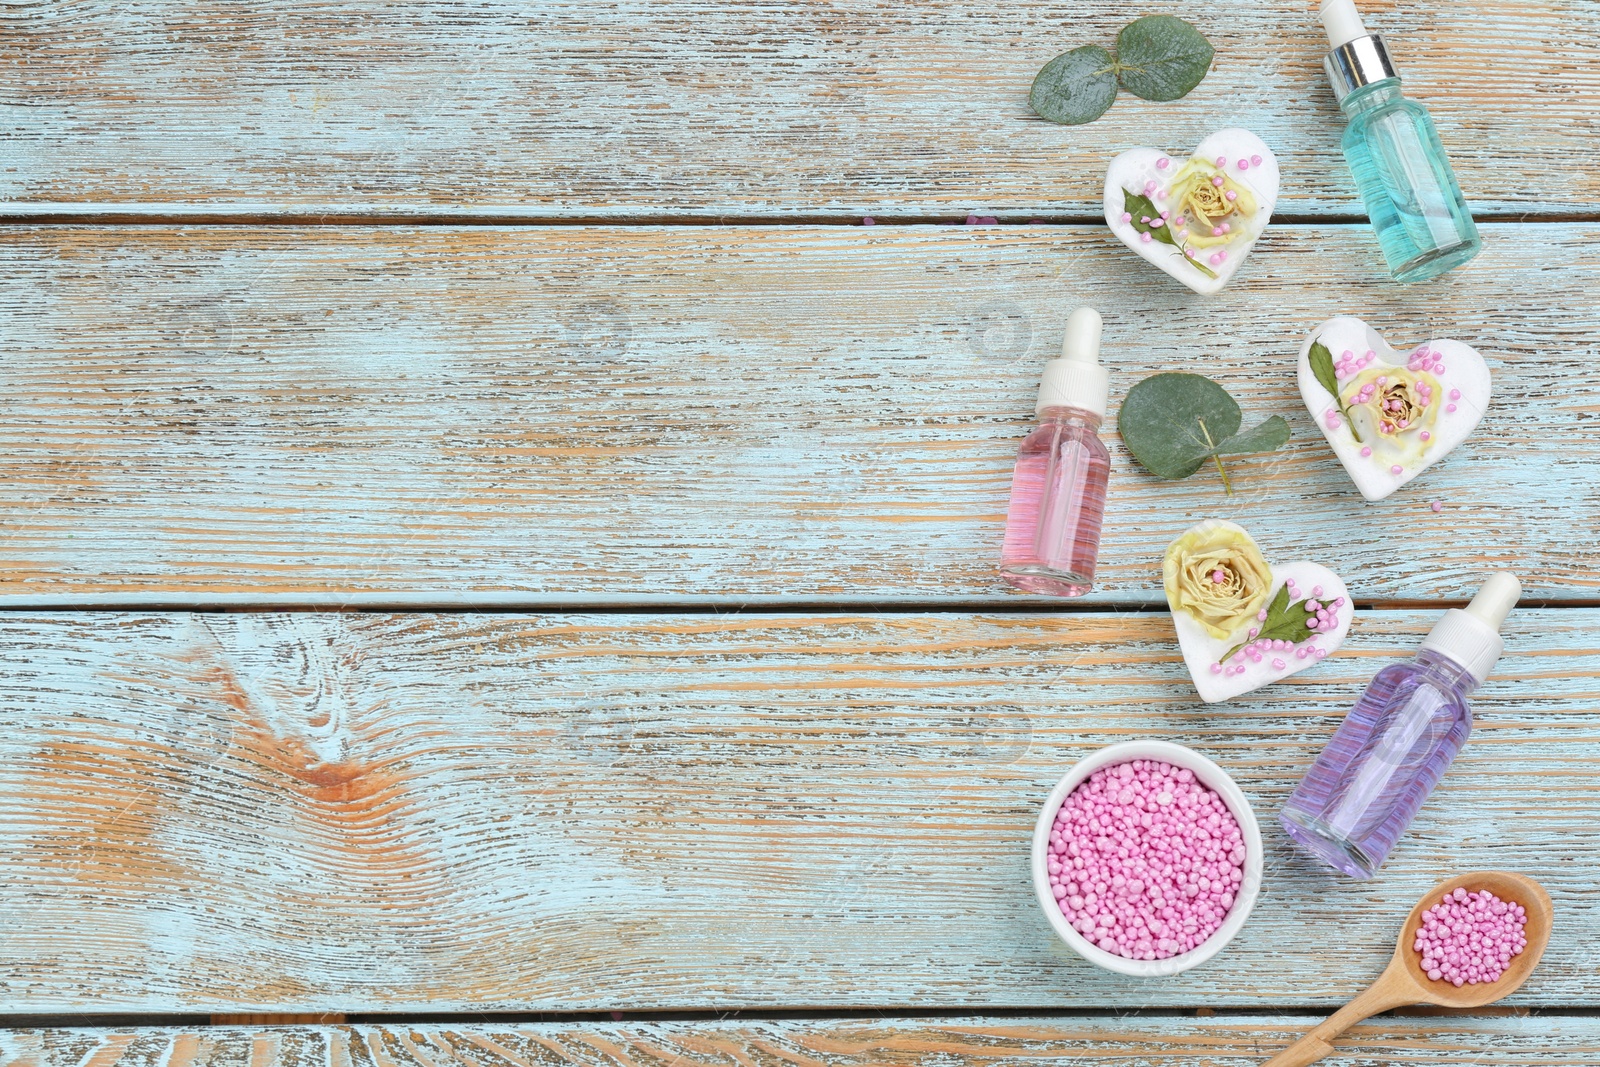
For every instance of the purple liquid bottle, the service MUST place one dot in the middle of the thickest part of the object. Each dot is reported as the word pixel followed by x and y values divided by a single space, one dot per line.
pixel 1395 744
pixel 1058 487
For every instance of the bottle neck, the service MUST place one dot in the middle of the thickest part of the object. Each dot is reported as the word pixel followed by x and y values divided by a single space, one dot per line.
pixel 1446 671
pixel 1371 96
pixel 1064 413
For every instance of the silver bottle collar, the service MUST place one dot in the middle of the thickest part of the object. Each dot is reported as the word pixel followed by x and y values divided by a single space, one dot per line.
pixel 1360 62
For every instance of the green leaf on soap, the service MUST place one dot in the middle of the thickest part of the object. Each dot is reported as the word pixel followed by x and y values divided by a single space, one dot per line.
pixel 1141 208
pixel 1322 366
pixel 1174 422
pixel 1284 622
pixel 1321 361
pixel 1160 57
pixel 1075 87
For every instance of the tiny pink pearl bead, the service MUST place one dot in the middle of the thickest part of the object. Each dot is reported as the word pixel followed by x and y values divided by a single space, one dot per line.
pixel 1437 506
pixel 1217 181
pixel 1426 436
pixel 1216 668
pixel 1146 238
pixel 1222 161
pixel 1230 194
pixel 1216 231
pixel 1161 164
pixel 1255 161
pixel 1365 452
pixel 1455 394
pixel 1127 216
pixel 1396 469
pixel 1218 257
pixel 1278 664
pixel 1261 615
pixel 1449 407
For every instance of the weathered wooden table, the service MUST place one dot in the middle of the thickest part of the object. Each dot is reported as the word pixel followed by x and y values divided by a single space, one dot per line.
pixel 499 561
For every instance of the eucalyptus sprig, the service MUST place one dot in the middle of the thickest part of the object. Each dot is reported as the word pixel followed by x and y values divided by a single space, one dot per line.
pixel 1174 422
pixel 1159 57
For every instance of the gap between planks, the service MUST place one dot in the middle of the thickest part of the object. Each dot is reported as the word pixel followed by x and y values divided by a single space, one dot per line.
pixel 252 215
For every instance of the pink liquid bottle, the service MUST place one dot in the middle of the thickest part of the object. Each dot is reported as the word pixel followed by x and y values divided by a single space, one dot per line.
pixel 1395 744
pixel 1058 489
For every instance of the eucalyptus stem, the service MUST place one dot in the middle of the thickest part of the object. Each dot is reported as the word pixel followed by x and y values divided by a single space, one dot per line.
pixel 1216 457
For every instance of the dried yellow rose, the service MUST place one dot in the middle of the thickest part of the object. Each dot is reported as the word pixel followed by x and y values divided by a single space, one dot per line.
pixel 1215 574
pixel 1396 407
pixel 1204 203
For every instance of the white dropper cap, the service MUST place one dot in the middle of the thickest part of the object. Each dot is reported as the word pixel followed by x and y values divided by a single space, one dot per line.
pixel 1342 21
pixel 1471 635
pixel 1076 380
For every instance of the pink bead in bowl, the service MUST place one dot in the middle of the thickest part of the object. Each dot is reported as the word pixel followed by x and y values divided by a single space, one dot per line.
pixel 1182 805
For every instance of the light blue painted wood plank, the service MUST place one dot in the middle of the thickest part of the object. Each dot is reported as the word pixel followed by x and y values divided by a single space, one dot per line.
pixel 591 415
pixel 305 812
pixel 664 108
pixel 1070 1041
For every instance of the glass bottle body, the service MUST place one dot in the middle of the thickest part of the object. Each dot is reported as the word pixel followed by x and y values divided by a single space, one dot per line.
pixel 1381 764
pixel 1058 498
pixel 1405 180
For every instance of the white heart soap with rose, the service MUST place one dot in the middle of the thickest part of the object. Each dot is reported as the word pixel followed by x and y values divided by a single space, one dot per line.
pixel 1198 218
pixel 1243 623
pixel 1390 416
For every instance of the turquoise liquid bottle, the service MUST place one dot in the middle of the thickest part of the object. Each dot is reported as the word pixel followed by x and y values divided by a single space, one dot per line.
pixel 1393 149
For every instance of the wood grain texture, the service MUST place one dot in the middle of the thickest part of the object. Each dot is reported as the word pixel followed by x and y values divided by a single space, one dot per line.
pixel 1133 1041
pixel 339 812
pixel 700 107
pixel 575 415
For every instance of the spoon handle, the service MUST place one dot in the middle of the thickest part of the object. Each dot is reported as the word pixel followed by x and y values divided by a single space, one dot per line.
pixel 1389 991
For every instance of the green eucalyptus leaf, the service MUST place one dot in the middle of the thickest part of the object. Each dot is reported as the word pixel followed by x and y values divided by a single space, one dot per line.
pixel 1160 57
pixel 1075 87
pixel 1172 423
pixel 1141 208
pixel 1273 433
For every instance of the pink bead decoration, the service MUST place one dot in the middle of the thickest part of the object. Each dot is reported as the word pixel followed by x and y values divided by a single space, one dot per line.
pixel 1149 860
pixel 1468 938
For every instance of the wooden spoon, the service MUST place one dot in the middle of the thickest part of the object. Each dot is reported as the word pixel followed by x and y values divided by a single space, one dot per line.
pixel 1405 982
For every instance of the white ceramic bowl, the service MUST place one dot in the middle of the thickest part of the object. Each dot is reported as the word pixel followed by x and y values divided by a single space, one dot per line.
pixel 1209 775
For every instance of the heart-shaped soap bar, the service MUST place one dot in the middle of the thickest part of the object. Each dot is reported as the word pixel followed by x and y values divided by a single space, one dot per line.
pixel 1243 623
pixel 1195 218
pixel 1390 416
